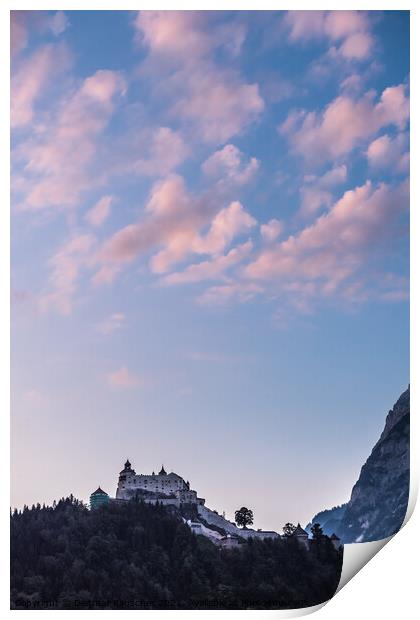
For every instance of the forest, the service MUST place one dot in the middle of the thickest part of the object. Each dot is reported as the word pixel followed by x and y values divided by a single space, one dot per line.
pixel 135 555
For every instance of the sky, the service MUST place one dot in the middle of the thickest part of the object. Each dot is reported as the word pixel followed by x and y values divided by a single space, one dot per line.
pixel 210 239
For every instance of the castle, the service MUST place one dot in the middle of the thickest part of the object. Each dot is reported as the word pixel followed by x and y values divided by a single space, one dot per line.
pixel 172 490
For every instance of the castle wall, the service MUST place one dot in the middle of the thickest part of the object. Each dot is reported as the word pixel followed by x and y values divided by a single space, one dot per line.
pixel 215 519
pixel 248 533
pixel 158 483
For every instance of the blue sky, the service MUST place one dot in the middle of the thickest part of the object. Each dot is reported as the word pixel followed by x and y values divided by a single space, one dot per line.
pixel 209 250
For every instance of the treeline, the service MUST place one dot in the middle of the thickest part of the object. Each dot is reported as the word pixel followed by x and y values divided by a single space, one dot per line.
pixel 137 555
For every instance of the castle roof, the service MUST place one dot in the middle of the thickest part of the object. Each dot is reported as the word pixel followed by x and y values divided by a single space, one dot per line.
pixel 99 491
pixel 299 531
pixel 162 472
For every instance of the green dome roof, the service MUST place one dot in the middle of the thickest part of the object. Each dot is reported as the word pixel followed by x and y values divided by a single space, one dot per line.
pixel 99 491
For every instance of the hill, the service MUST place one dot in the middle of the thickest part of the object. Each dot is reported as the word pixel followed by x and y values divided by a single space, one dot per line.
pixel 137 555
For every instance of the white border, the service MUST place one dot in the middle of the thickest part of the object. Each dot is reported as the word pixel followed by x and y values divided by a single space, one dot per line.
pixel 355 555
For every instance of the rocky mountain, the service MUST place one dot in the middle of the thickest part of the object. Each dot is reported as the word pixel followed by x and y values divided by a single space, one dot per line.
pixel 379 498
pixel 329 520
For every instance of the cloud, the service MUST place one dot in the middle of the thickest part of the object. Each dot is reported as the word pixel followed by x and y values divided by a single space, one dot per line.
pixel 26 23
pixel 218 103
pixel 166 152
pixel 18 31
pixel 229 166
pixel 111 324
pixel 345 124
pixel 30 78
pixel 99 213
pixel 174 34
pixel 187 36
pixel 66 265
pixel 316 192
pixel 225 226
pixel 338 250
pixel 123 379
pixel 235 291
pixel 214 269
pixel 173 217
pixel 59 22
pixel 387 153
pixel 58 159
pixel 105 275
pixel 272 230
pixel 347 29
pixel 183 46
pixel 176 222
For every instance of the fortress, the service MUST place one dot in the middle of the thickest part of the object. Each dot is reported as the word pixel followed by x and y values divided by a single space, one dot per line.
pixel 172 490
pixel 166 488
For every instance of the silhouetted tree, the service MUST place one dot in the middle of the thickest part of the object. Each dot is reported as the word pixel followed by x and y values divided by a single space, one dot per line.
pixel 122 553
pixel 244 516
pixel 288 529
pixel 317 531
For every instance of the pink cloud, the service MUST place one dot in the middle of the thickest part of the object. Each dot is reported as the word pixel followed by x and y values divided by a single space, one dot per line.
pixel 58 159
pixel 389 153
pixel 167 151
pixel 123 379
pixel 214 269
pixel 225 226
pixel 66 265
pixel 174 33
pixel 351 28
pixel 187 36
pixel 30 79
pixel 26 23
pixel 219 103
pixel 216 102
pixel 356 46
pixel 175 224
pixel 305 24
pixel 345 124
pixel 230 166
pixel 235 291
pixel 99 213
pixel 272 230
pixel 326 257
pixel 173 217
pixel 113 323
pixel 18 31
pixel 316 191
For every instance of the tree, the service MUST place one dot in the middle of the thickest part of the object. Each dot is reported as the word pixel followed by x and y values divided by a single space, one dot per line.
pixel 136 552
pixel 317 531
pixel 288 529
pixel 243 517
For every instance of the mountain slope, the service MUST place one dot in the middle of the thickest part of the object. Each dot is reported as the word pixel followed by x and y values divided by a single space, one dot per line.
pixel 379 498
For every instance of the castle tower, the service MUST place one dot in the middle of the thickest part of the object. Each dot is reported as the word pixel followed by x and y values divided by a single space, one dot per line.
pixel 162 472
pixel 98 498
pixel 125 473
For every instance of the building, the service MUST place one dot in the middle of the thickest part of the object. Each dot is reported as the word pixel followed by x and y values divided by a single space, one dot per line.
pixel 170 489
pixel 300 535
pixel 163 487
pixel 98 498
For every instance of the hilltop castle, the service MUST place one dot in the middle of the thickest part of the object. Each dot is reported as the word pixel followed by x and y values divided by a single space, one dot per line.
pixel 172 490
pixel 166 488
